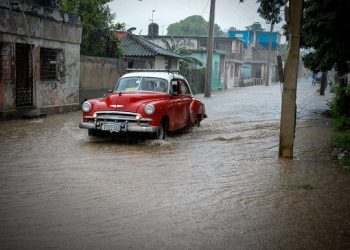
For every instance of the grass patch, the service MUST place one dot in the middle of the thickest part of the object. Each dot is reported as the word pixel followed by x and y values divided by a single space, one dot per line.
pixel 340 113
pixel 346 162
pixel 342 144
pixel 341 122
pixel 343 141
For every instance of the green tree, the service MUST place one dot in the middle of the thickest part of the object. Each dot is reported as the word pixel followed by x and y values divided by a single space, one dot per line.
pixel 325 29
pixel 192 26
pixel 255 27
pixel 99 31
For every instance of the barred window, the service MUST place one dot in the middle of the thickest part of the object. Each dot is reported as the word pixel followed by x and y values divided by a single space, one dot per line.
pixel 51 64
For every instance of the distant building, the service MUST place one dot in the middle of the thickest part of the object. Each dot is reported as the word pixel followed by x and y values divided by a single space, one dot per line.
pixel 227 56
pixel 255 56
pixel 143 54
pixel 40 59
pixel 254 38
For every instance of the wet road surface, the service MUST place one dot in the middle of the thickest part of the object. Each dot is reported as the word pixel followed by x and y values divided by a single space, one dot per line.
pixel 220 186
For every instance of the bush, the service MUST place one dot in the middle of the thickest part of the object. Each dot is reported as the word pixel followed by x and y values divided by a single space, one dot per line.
pixel 340 112
pixel 342 143
pixel 341 122
pixel 193 89
pixel 340 107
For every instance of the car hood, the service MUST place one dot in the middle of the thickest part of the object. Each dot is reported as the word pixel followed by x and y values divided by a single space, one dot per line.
pixel 131 101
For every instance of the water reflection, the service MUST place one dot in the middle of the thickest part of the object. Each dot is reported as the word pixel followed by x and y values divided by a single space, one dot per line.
pixel 220 186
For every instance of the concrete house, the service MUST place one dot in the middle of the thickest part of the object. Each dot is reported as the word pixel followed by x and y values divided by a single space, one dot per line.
pixel 40 59
pixel 143 54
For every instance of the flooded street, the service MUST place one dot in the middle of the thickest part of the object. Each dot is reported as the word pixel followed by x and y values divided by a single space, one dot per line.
pixel 220 186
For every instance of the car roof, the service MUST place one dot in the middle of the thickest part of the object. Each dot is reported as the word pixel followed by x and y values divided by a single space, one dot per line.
pixel 164 75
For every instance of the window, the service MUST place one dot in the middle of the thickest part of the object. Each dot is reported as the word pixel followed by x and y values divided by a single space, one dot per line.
pixel 139 83
pixel 51 64
pixel 184 88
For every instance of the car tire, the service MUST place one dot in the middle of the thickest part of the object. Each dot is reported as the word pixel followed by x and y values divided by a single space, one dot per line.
pixel 163 129
pixel 198 121
pixel 92 132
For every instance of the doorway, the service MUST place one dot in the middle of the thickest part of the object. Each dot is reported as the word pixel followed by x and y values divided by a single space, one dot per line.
pixel 24 75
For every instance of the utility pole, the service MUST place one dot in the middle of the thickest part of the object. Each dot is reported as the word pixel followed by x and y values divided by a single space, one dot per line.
pixel 323 82
pixel 269 56
pixel 210 50
pixel 288 113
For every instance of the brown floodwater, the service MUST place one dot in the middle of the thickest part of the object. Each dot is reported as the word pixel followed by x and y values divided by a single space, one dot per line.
pixel 220 186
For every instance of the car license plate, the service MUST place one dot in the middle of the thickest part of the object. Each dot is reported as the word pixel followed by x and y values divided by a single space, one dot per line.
pixel 111 127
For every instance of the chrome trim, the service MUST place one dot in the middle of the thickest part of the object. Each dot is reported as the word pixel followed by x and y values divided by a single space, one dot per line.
pixel 87 125
pixel 131 124
pixel 144 129
pixel 118 117
pixel 130 127
pixel 116 112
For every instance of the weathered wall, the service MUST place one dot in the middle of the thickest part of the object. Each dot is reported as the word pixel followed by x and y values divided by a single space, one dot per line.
pixel 98 75
pixel 159 62
pixel 6 81
pixel 66 90
pixel 42 23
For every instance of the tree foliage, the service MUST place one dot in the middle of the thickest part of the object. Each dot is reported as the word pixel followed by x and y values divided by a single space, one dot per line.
pixel 271 10
pixel 98 35
pixel 192 26
pixel 325 29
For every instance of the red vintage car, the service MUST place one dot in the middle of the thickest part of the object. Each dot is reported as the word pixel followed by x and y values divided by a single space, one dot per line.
pixel 151 102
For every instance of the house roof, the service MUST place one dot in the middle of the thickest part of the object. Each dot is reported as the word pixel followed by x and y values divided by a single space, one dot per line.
pixel 137 46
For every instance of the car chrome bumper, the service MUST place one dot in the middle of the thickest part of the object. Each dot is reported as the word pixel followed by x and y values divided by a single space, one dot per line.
pixel 129 127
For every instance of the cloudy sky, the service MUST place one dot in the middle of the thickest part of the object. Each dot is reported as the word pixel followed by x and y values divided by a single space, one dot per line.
pixel 228 13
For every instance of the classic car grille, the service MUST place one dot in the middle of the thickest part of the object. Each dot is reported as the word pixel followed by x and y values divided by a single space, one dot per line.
pixel 117 116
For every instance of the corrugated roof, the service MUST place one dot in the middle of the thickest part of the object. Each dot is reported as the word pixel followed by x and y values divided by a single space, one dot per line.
pixel 136 46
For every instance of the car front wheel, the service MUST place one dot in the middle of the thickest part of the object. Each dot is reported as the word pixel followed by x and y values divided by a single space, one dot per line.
pixel 162 132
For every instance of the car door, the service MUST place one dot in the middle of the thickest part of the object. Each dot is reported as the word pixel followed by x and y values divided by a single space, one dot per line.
pixel 186 100
pixel 181 99
pixel 175 106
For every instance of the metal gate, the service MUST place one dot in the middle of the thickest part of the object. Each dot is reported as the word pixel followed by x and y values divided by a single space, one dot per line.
pixel 24 75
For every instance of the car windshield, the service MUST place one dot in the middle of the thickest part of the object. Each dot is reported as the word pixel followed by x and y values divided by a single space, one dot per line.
pixel 149 84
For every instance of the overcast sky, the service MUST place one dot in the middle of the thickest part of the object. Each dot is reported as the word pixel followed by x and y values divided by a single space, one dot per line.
pixel 228 13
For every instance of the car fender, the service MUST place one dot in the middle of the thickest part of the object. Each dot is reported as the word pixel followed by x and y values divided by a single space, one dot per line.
pixel 161 108
pixel 195 110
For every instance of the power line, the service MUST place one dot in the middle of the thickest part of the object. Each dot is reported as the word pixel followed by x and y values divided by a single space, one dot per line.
pixel 205 8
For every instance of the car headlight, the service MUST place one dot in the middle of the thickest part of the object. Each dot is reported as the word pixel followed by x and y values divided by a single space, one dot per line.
pixel 149 109
pixel 86 107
